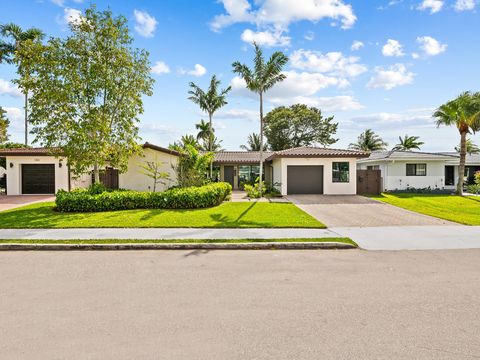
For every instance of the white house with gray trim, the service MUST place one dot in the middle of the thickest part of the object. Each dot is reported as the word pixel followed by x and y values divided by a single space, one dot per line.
pixel 401 170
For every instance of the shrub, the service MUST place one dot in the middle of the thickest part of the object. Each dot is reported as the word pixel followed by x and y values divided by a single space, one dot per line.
pixel 176 198
pixel 268 189
pixel 473 189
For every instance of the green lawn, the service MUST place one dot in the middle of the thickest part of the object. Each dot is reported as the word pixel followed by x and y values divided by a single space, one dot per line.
pixel 227 215
pixel 464 210
pixel 178 241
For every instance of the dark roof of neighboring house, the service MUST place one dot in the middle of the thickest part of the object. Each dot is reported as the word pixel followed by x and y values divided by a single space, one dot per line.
pixel 409 155
pixel 39 151
pixel 239 157
pixel 308 151
pixel 147 145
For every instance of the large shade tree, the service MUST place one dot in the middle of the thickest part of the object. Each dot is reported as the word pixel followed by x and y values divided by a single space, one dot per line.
pixel 87 92
pixel 209 101
pixel 4 122
pixel 259 79
pixel 408 143
pixel 298 125
pixel 253 143
pixel 463 112
pixel 16 38
pixel 369 141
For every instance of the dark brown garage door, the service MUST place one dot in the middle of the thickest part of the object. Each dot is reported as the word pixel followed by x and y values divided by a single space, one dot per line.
pixel 38 179
pixel 304 179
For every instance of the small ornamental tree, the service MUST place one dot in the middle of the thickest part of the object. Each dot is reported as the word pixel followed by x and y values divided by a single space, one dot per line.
pixel 153 169
pixel 87 92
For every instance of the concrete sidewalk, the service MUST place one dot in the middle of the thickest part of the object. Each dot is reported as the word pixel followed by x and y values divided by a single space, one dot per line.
pixel 413 237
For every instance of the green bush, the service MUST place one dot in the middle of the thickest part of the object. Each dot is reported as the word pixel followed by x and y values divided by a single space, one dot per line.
pixel 473 189
pixel 176 198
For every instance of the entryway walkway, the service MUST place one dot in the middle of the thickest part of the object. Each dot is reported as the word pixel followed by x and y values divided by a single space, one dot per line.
pixel 8 202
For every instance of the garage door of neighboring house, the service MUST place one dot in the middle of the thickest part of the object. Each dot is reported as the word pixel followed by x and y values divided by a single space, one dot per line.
pixel 38 179
pixel 304 179
pixel 369 182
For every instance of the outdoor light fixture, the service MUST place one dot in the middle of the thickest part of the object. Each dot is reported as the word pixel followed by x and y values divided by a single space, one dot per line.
pixel 11 165
pixel 60 164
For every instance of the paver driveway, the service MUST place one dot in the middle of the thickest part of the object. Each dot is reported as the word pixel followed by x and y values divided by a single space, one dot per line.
pixel 354 210
pixel 13 201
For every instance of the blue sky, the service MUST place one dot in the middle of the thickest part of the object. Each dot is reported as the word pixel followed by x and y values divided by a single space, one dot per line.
pixel 380 64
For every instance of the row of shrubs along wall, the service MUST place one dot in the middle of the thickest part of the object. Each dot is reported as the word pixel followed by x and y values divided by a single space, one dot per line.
pixel 86 200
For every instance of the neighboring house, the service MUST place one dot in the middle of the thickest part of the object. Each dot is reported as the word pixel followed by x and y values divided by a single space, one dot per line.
pixel 401 170
pixel 35 171
pixel 302 170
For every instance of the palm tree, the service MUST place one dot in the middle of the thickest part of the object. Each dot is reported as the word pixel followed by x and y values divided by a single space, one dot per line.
pixel 253 141
pixel 369 141
pixel 472 148
pixel 8 50
pixel 464 113
pixel 203 130
pixel 408 143
pixel 184 142
pixel 209 101
pixel 260 79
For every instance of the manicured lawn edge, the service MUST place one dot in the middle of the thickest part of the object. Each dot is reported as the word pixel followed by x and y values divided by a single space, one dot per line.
pixel 178 244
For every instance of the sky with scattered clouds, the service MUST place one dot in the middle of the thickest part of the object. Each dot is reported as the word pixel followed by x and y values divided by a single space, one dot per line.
pixel 379 64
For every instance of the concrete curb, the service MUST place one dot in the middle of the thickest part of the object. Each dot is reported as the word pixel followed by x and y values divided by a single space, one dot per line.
pixel 167 246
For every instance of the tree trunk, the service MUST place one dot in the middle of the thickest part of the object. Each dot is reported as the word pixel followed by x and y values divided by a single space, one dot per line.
pixel 26 118
pixel 461 167
pixel 210 135
pixel 96 174
pixel 261 146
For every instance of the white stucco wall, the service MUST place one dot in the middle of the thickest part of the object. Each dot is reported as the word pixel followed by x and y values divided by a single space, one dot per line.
pixel 134 179
pixel 394 174
pixel 329 187
pixel 14 174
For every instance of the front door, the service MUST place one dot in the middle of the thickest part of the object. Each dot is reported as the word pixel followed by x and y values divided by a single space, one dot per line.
pixel 228 174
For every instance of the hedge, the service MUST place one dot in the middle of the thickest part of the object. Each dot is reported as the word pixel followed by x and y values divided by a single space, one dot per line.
pixel 82 200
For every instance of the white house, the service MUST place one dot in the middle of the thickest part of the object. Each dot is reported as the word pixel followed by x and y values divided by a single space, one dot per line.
pixel 303 170
pixel 401 170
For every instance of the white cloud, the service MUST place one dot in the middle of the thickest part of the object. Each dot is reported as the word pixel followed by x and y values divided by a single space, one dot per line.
pixel 464 5
pixel 282 13
pixel 266 38
pixel 431 46
pixel 160 68
pixel 16 117
pixel 310 36
pixel 72 16
pixel 58 2
pixel 333 103
pixel 433 6
pixel 251 115
pixel 333 63
pixel 357 45
pixel 393 48
pixel 391 77
pixel 145 24
pixel 7 88
pixel 197 71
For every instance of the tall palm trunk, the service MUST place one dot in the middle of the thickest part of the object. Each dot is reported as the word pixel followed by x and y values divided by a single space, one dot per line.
pixel 26 117
pixel 461 167
pixel 261 146
pixel 210 140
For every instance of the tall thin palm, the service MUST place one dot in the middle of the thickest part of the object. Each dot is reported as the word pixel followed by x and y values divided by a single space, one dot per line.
pixel 260 79
pixel 8 50
pixel 204 131
pixel 209 101
pixel 253 143
pixel 471 147
pixel 408 143
pixel 462 112
pixel 369 141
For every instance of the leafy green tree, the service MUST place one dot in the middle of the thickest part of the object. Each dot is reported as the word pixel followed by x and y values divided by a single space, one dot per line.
pixel 204 131
pixel 259 80
pixel 87 92
pixel 154 170
pixel 192 166
pixel 298 125
pixel 209 101
pixel 408 143
pixel 369 141
pixel 471 147
pixel 9 54
pixel 253 143
pixel 463 112
pixel 4 122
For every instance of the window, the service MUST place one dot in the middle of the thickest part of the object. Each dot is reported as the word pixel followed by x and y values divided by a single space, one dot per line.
pixel 247 174
pixel 416 169
pixel 373 167
pixel 340 172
